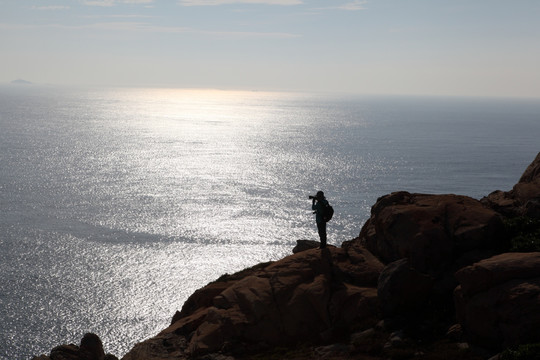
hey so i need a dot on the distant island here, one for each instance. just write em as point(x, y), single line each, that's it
point(21, 82)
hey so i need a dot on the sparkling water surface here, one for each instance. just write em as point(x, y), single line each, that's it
point(117, 204)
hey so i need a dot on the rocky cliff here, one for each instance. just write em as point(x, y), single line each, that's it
point(427, 272)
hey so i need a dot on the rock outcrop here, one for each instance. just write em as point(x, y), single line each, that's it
point(523, 199)
point(415, 255)
point(303, 245)
point(402, 289)
point(91, 348)
point(432, 231)
point(310, 296)
point(498, 300)
point(437, 234)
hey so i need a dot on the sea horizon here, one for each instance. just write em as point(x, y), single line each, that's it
point(249, 89)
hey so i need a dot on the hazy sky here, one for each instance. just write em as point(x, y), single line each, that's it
point(441, 47)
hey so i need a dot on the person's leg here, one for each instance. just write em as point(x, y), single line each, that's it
point(321, 227)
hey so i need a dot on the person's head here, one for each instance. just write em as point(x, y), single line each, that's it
point(320, 195)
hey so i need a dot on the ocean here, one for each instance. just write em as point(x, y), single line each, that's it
point(117, 204)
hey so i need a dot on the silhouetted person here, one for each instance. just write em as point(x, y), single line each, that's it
point(318, 205)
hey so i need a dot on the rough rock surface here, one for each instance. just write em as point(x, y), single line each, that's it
point(438, 235)
point(498, 301)
point(432, 231)
point(523, 199)
point(91, 348)
point(310, 295)
point(303, 245)
point(408, 252)
point(402, 289)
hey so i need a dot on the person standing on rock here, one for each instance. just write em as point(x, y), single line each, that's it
point(319, 206)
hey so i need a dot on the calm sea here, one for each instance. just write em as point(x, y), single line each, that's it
point(115, 205)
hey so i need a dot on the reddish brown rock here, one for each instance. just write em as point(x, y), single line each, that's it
point(91, 348)
point(498, 301)
point(162, 347)
point(432, 231)
point(303, 245)
point(402, 289)
point(497, 270)
point(527, 190)
point(532, 173)
point(523, 199)
point(309, 295)
point(65, 352)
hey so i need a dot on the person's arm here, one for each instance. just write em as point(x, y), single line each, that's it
point(314, 205)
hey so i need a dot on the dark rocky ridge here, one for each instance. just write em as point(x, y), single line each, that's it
point(427, 276)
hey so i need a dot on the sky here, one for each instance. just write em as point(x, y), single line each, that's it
point(409, 47)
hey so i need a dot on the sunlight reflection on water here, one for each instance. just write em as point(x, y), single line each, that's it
point(119, 291)
point(118, 204)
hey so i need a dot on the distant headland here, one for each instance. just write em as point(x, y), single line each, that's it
point(21, 82)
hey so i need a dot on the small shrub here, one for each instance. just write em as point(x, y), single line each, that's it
point(524, 234)
point(522, 352)
point(300, 352)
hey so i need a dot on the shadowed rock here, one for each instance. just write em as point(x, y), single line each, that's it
point(91, 348)
point(310, 295)
point(431, 231)
point(523, 199)
point(498, 301)
point(402, 289)
point(303, 245)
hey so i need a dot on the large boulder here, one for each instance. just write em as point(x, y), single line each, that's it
point(402, 289)
point(498, 300)
point(523, 199)
point(303, 245)
point(431, 231)
point(314, 294)
point(91, 348)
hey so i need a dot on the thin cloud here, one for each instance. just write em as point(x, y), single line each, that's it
point(228, 2)
point(106, 26)
point(50, 7)
point(143, 27)
point(146, 28)
point(119, 16)
point(99, 3)
point(137, 1)
point(354, 6)
point(104, 3)
point(108, 3)
point(246, 34)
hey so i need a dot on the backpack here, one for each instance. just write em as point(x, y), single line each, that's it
point(328, 212)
